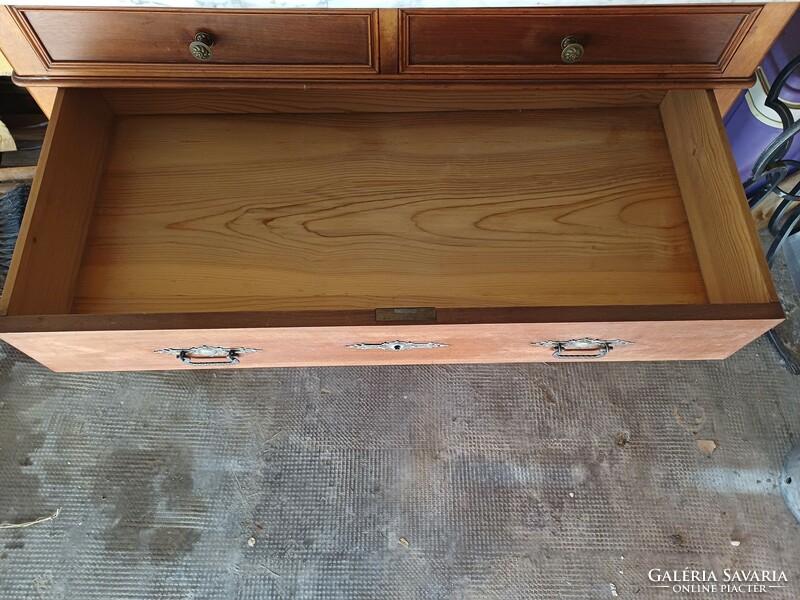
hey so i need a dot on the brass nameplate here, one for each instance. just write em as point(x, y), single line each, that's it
point(406, 314)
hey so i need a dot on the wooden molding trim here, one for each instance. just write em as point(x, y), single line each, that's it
point(162, 101)
point(397, 82)
point(771, 312)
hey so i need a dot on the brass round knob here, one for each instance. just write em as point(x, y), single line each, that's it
point(571, 50)
point(201, 46)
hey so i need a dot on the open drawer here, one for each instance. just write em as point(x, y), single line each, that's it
point(280, 228)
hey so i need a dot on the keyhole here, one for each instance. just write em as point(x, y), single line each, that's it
point(788, 480)
point(397, 346)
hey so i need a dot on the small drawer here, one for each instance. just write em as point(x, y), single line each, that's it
point(163, 41)
point(647, 41)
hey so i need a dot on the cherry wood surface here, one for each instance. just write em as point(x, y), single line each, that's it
point(496, 40)
point(333, 38)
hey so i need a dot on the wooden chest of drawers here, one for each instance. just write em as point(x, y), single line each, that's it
point(389, 223)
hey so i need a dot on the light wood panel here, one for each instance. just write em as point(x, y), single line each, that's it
point(288, 212)
point(728, 248)
point(147, 102)
point(41, 279)
point(17, 173)
point(45, 97)
point(327, 346)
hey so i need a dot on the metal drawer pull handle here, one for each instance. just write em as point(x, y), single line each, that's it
point(397, 346)
point(563, 349)
point(201, 46)
point(203, 353)
point(571, 50)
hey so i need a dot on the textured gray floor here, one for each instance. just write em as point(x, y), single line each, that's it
point(519, 481)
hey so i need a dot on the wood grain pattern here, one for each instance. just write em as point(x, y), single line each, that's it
point(147, 101)
point(327, 346)
point(728, 248)
point(269, 212)
point(629, 40)
point(42, 276)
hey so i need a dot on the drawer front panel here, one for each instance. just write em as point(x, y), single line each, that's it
point(648, 40)
point(312, 39)
point(387, 345)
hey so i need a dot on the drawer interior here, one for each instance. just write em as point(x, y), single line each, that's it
point(149, 202)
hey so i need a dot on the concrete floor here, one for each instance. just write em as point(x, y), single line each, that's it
point(511, 481)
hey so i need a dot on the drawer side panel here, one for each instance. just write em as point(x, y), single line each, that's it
point(47, 258)
point(725, 239)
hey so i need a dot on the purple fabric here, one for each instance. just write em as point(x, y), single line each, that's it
point(748, 135)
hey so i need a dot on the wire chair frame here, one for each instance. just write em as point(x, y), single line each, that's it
point(769, 172)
